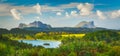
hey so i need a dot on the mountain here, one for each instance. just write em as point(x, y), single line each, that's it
point(85, 24)
point(82, 27)
point(36, 24)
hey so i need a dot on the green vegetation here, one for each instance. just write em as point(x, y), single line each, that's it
point(107, 36)
point(100, 43)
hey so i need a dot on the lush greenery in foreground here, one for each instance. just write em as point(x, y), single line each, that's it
point(100, 43)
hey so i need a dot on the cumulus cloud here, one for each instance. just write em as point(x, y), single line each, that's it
point(115, 14)
point(59, 13)
point(38, 8)
point(100, 14)
point(67, 15)
point(5, 9)
point(85, 9)
point(15, 14)
point(108, 14)
point(74, 13)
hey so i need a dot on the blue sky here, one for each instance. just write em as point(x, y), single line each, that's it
point(60, 13)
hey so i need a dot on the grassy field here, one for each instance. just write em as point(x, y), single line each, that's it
point(76, 35)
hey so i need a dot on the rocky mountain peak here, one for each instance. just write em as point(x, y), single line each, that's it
point(85, 24)
point(37, 24)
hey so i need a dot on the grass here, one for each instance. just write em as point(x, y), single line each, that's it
point(71, 35)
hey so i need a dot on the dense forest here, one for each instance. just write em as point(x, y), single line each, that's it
point(98, 43)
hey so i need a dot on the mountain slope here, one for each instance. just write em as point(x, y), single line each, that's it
point(85, 24)
point(36, 24)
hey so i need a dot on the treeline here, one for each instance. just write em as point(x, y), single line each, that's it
point(16, 31)
point(39, 35)
point(65, 29)
point(107, 36)
point(33, 30)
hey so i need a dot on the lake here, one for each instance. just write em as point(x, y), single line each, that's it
point(44, 43)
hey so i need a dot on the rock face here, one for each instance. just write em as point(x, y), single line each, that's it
point(36, 24)
point(85, 24)
point(22, 25)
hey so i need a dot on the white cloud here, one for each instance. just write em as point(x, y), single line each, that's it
point(85, 9)
point(37, 17)
point(115, 14)
point(71, 5)
point(38, 8)
point(25, 10)
point(67, 15)
point(15, 14)
point(59, 13)
point(100, 14)
point(74, 13)
point(5, 9)
point(59, 8)
point(47, 8)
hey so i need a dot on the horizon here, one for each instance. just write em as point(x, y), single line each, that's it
point(59, 27)
point(105, 14)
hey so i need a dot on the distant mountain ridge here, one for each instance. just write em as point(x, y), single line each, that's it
point(36, 24)
point(85, 24)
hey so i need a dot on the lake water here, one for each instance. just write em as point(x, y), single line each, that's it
point(52, 44)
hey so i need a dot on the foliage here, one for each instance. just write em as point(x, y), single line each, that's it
point(115, 51)
point(107, 36)
point(100, 43)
